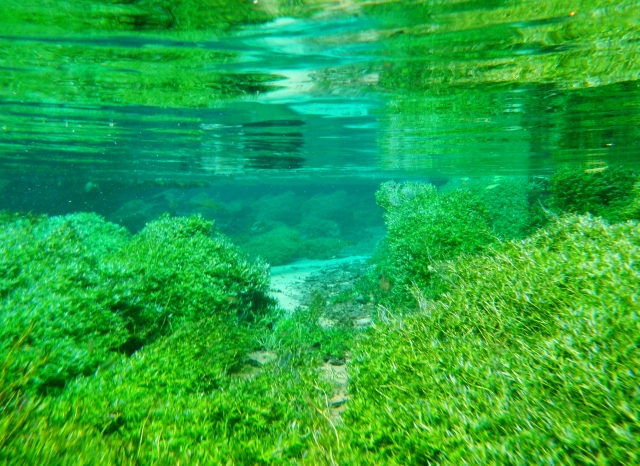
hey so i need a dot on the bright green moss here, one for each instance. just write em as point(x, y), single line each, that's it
point(190, 397)
point(301, 333)
point(190, 393)
point(283, 245)
point(513, 203)
point(632, 210)
point(278, 246)
point(174, 270)
point(531, 357)
point(48, 274)
point(606, 192)
point(425, 226)
point(88, 291)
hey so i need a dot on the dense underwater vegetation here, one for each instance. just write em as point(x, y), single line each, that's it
point(497, 342)
point(157, 158)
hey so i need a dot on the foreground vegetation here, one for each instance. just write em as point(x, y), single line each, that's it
point(506, 342)
point(81, 290)
point(530, 357)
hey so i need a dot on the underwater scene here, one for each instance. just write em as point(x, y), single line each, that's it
point(319, 232)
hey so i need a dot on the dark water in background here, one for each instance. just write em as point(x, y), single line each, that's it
point(289, 114)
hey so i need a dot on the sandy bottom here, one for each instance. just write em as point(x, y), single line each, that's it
point(288, 281)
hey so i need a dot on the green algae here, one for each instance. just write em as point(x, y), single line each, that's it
point(283, 245)
point(529, 355)
point(84, 290)
point(132, 350)
point(515, 204)
point(606, 192)
point(426, 226)
point(189, 396)
point(532, 356)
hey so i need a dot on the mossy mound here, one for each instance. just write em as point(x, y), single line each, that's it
point(283, 245)
point(192, 396)
point(531, 357)
point(426, 226)
point(83, 290)
point(606, 192)
point(514, 203)
point(195, 399)
point(277, 246)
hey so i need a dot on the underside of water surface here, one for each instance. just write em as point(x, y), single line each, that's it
point(319, 232)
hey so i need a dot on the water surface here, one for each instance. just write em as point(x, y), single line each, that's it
point(100, 101)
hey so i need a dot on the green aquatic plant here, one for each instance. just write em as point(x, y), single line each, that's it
point(284, 244)
point(302, 333)
point(514, 203)
point(530, 357)
point(16, 408)
point(278, 208)
point(48, 271)
point(425, 227)
point(632, 210)
point(195, 395)
point(179, 269)
point(89, 291)
point(278, 246)
point(322, 248)
point(28, 437)
point(607, 192)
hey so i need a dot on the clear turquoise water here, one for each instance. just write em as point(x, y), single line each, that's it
point(104, 107)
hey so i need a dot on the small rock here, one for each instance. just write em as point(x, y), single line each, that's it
point(338, 400)
point(326, 323)
point(363, 322)
point(260, 358)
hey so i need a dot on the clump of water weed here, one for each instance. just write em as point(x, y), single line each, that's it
point(530, 357)
point(606, 192)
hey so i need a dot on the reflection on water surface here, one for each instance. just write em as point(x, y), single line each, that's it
point(327, 89)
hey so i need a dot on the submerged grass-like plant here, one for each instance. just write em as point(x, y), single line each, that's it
point(192, 397)
point(426, 226)
point(27, 433)
point(90, 292)
point(190, 392)
point(531, 357)
point(514, 203)
point(606, 192)
point(16, 408)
